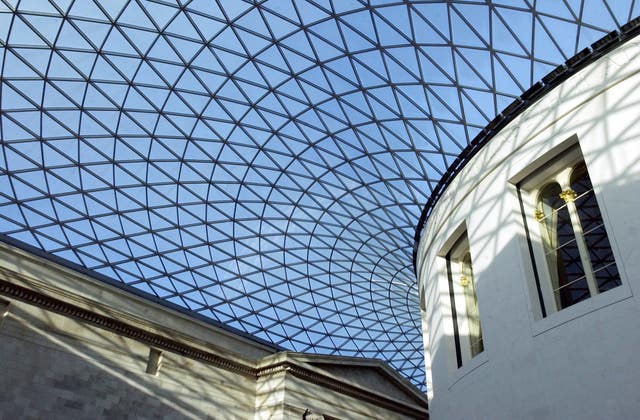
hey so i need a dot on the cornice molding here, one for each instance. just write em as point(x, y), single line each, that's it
point(118, 327)
point(329, 382)
point(124, 329)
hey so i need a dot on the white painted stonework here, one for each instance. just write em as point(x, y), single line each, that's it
point(577, 363)
point(75, 347)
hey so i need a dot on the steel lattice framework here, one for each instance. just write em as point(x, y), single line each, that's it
point(261, 163)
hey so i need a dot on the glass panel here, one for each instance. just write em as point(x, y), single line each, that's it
point(280, 147)
point(607, 277)
point(595, 235)
point(566, 270)
point(572, 293)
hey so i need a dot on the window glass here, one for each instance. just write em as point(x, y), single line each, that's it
point(570, 247)
point(567, 274)
point(593, 230)
point(464, 303)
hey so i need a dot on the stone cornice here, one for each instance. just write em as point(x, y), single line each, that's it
point(118, 327)
point(48, 277)
point(63, 301)
point(326, 381)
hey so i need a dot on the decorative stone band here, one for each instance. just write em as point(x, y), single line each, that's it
point(326, 381)
point(58, 306)
point(4, 310)
point(158, 341)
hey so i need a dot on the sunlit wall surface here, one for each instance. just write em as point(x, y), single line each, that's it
point(262, 163)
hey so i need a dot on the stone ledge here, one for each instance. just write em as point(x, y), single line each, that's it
point(155, 340)
point(308, 374)
point(54, 289)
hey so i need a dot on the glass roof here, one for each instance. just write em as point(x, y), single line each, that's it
point(261, 163)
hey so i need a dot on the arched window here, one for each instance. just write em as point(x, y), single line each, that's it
point(578, 260)
point(464, 303)
point(566, 271)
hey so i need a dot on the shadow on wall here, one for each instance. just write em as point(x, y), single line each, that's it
point(531, 375)
point(46, 374)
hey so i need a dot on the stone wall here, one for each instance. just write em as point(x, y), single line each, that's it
point(74, 347)
point(56, 367)
point(578, 362)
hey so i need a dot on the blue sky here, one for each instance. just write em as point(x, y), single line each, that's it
point(261, 163)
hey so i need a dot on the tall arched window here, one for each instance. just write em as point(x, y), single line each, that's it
point(471, 303)
point(566, 271)
point(578, 260)
point(464, 303)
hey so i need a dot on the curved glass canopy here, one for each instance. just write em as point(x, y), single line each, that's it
point(261, 163)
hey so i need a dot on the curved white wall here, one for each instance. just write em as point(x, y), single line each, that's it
point(580, 362)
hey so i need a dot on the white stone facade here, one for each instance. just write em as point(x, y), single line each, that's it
point(579, 362)
point(74, 347)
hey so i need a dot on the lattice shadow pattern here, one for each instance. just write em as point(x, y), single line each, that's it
point(262, 163)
